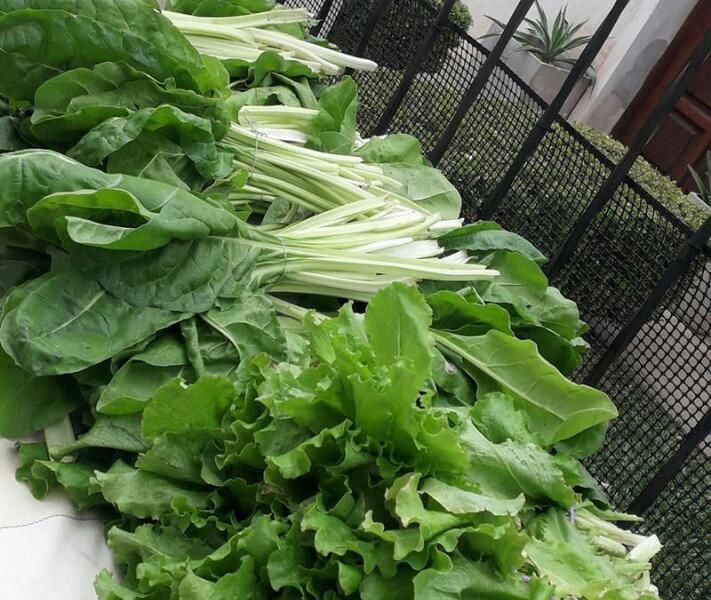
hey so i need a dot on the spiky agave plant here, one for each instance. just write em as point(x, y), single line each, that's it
point(551, 42)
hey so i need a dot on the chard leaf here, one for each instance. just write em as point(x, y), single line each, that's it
point(138, 379)
point(264, 96)
point(82, 34)
point(153, 156)
point(11, 134)
point(18, 265)
point(450, 378)
point(185, 276)
point(82, 326)
point(29, 403)
point(116, 206)
point(395, 148)
point(194, 134)
point(486, 236)
point(522, 288)
point(30, 175)
point(111, 219)
point(271, 67)
point(249, 323)
point(557, 409)
point(334, 128)
point(556, 349)
point(454, 313)
point(426, 186)
point(74, 102)
point(277, 76)
point(466, 314)
point(585, 443)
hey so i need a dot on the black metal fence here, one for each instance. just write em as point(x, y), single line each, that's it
point(641, 277)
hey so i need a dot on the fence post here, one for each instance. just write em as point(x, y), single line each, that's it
point(671, 467)
point(480, 81)
point(321, 17)
point(677, 268)
point(433, 33)
point(604, 194)
point(548, 117)
point(375, 15)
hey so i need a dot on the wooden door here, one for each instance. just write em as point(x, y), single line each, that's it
point(684, 135)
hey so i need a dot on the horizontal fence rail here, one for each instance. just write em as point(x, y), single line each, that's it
point(640, 275)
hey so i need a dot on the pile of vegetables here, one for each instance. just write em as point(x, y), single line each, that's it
point(267, 352)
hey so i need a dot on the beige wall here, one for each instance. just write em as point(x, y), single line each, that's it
point(642, 39)
point(637, 41)
point(501, 9)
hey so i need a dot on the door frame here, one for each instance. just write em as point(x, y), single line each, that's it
point(664, 72)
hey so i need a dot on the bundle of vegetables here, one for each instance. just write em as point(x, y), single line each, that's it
point(241, 39)
point(170, 221)
point(333, 466)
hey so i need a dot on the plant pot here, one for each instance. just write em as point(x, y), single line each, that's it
point(695, 199)
point(396, 37)
point(546, 80)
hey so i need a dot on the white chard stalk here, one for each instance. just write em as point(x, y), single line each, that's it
point(246, 37)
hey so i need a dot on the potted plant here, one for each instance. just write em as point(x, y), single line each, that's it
point(702, 196)
point(400, 32)
point(541, 54)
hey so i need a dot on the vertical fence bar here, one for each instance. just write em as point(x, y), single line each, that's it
point(375, 15)
point(492, 202)
point(480, 81)
point(671, 467)
point(604, 194)
point(678, 267)
point(433, 33)
point(321, 17)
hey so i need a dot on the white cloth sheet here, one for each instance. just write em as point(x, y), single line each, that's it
point(48, 551)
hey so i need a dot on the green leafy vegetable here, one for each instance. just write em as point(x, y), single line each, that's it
point(157, 324)
point(87, 33)
point(30, 403)
point(557, 409)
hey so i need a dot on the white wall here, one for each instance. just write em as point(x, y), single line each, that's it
point(592, 10)
point(640, 37)
point(643, 35)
